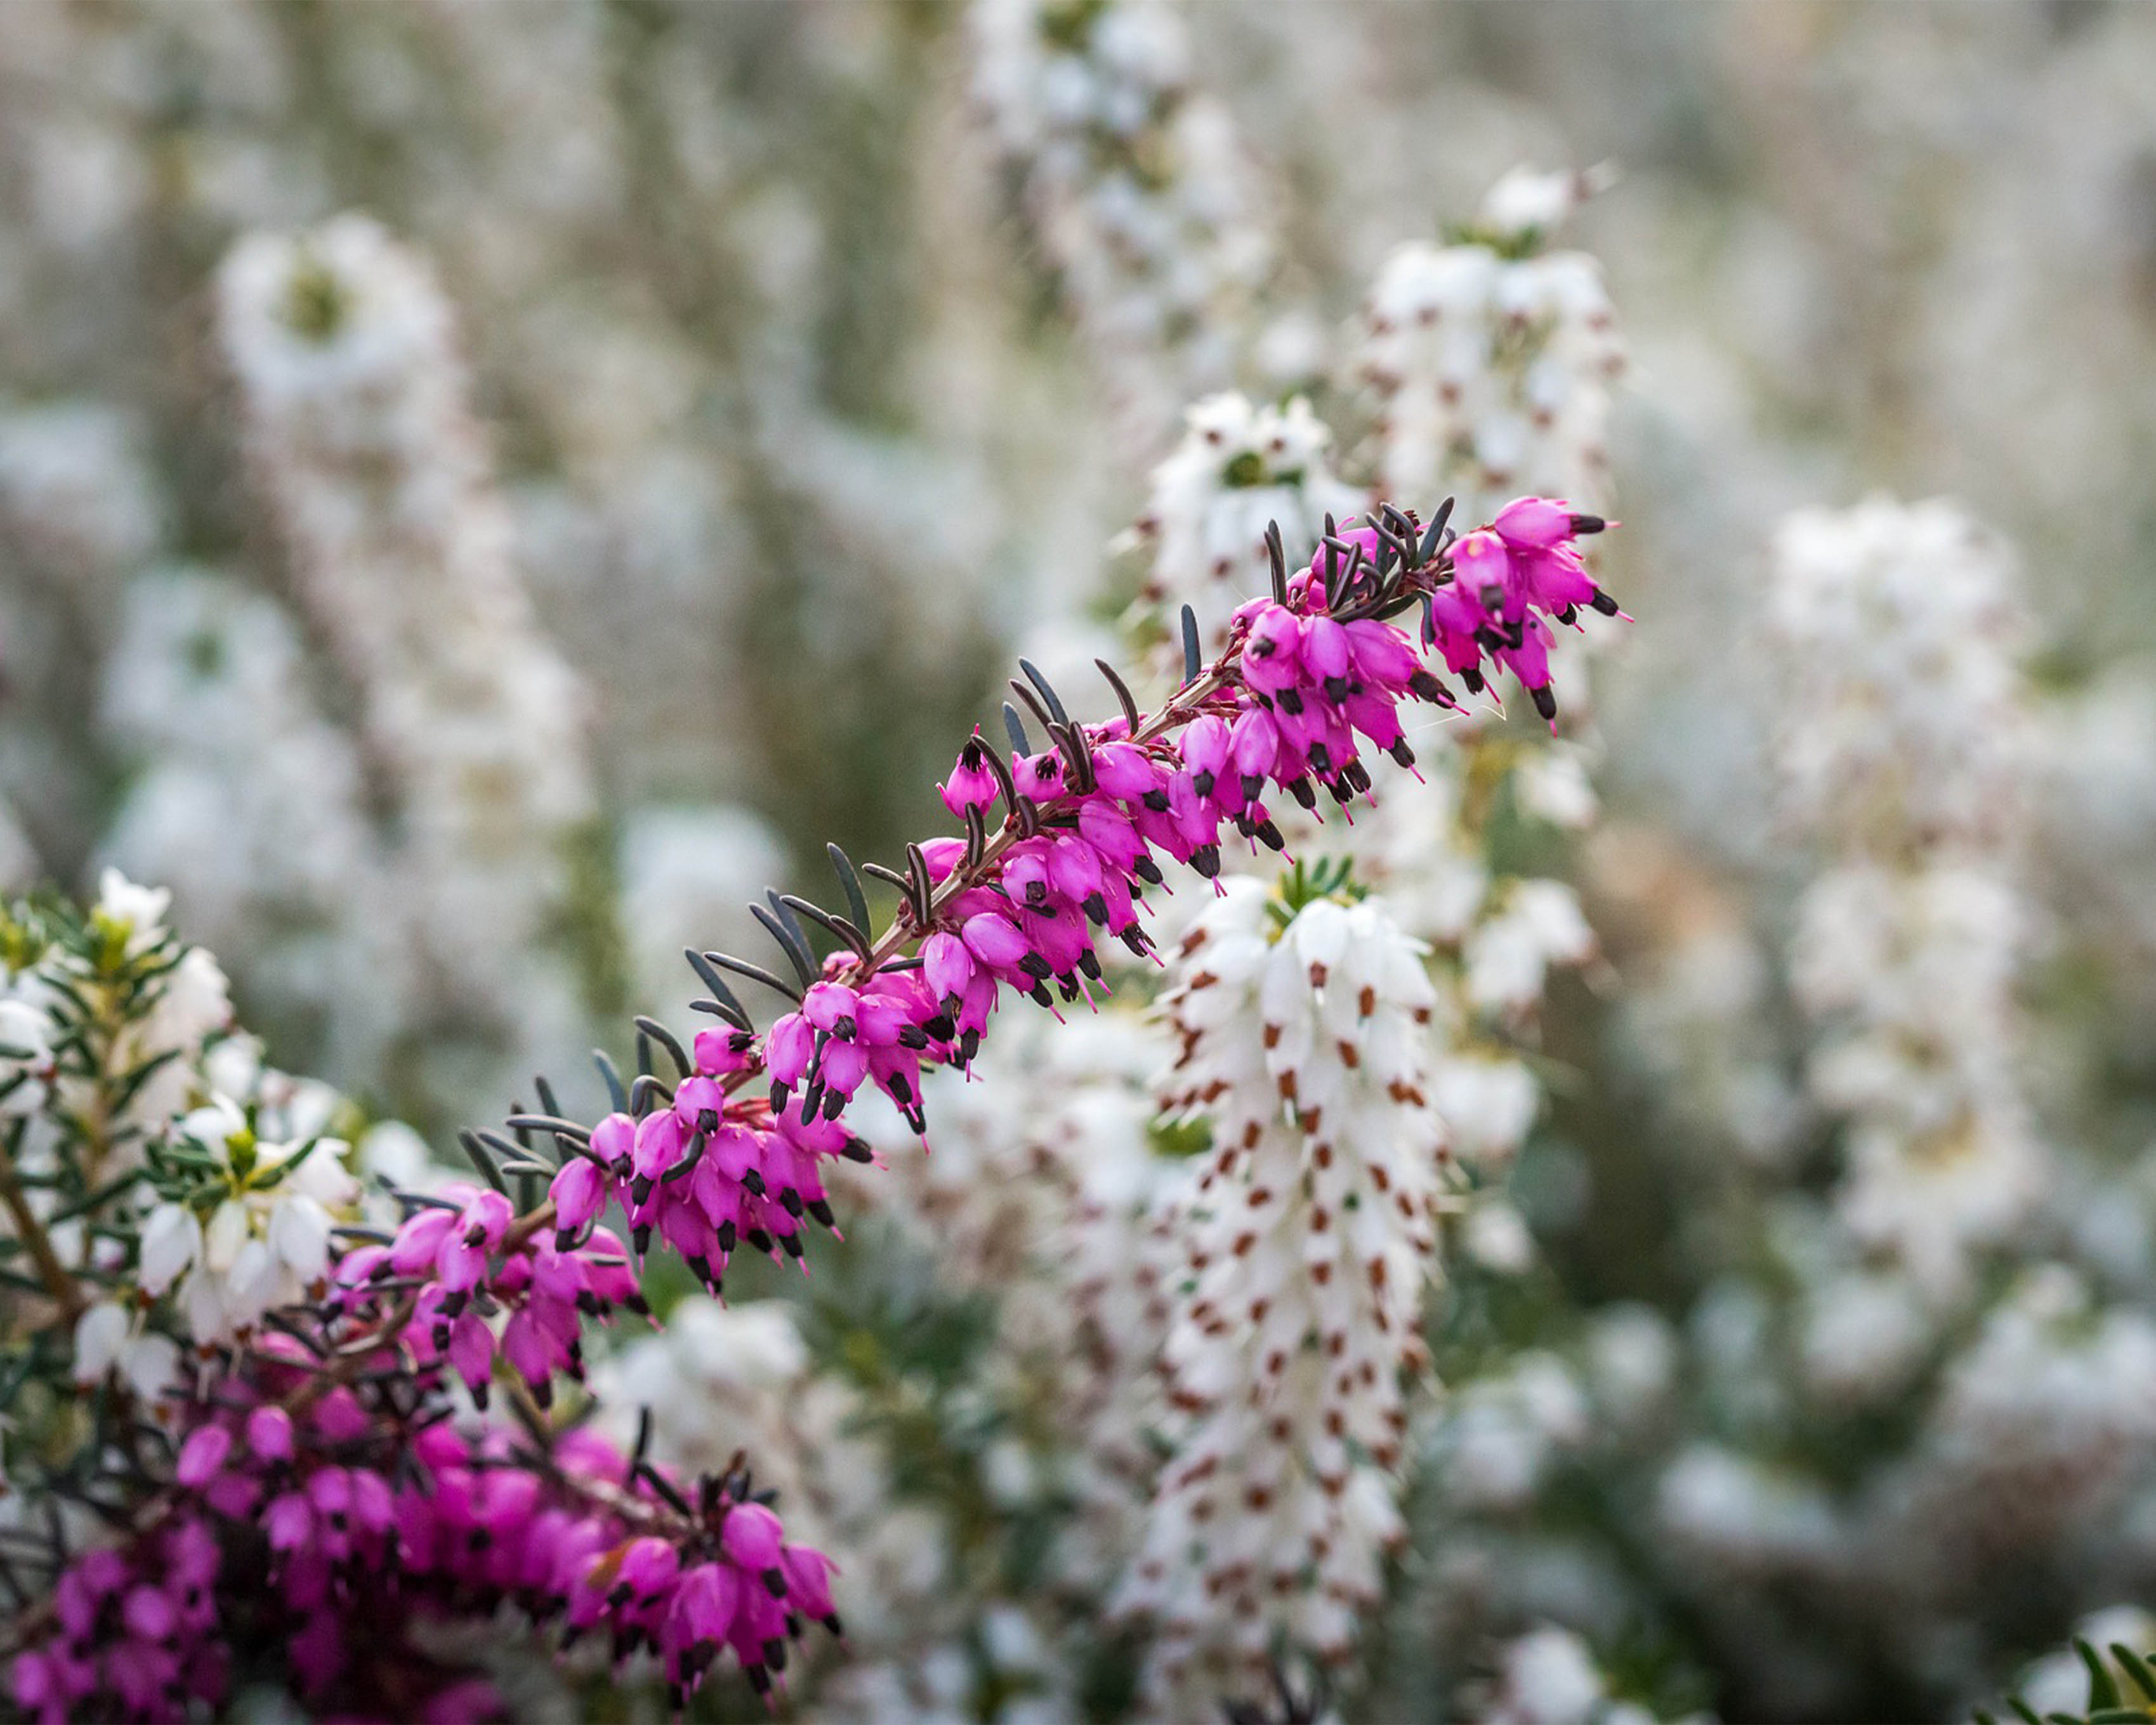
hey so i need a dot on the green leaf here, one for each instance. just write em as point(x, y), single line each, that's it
point(2103, 1687)
point(2135, 1667)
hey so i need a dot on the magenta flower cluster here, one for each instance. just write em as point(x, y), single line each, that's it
point(1509, 577)
point(1311, 678)
point(353, 1519)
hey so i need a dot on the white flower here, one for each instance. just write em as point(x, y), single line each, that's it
point(107, 1339)
point(25, 1051)
point(230, 1227)
point(139, 910)
point(1238, 467)
point(99, 1333)
point(1548, 1678)
point(171, 1244)
point(1538, 925)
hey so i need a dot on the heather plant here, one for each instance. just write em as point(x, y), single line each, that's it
point(1637, 1207)
point(276, 1406)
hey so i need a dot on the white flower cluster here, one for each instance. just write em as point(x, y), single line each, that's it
point(263, 1239)
point(362, 440)
point(1136, 186)
point(249, 804)
point(1426, 847)
point(190, 1007)
point(1239, 466)
point(2038, 1428)
point(1310, 1233)
point(1903, 755)
point(1044, 1189)
point(1491, 361)
point(1549, 1676)
point(1901, 627)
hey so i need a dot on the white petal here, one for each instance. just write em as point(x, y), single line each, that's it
point(252, 1284)
point(151, 1366)
point(227, 1232)
point(203, 1300)
point(172, 1241)
point(299, 1235)
point(100, 1334)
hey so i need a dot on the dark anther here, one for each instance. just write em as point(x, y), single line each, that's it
point(1545, 701)
point(1604, 603)
point(1587, 524)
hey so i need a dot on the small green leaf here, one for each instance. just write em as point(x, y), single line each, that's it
point(2103, 1687)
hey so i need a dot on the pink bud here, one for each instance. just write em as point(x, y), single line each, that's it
point(1482, 567)
point(752, 1537)
point(579, 1192)
point(788, 1050)
point(419, 1240)
point(612, 1140)
point(203, 1454)
point(704, 1607)
point(149, 1613)
point(660, 1138)
point(1535, 522)
point(719, 1050)
point(994, 940)
point(828, 1005)
point(269, 1434)
point(808, 1580)
point(1254, 743)
point(649, 1567)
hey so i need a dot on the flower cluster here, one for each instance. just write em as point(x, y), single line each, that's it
point(1138, 188)
point(1491, 359)
point(365, 1519)
point(1240, 468)
point(1307, 679)
point(1903, 755)
point(361, 440)
point(1311, 1236)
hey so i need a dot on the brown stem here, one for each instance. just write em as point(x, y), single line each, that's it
point(62, 1286)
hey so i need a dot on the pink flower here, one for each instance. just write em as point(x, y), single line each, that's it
point(202, 1456)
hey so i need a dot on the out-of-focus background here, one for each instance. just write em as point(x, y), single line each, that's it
point(486, 486)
